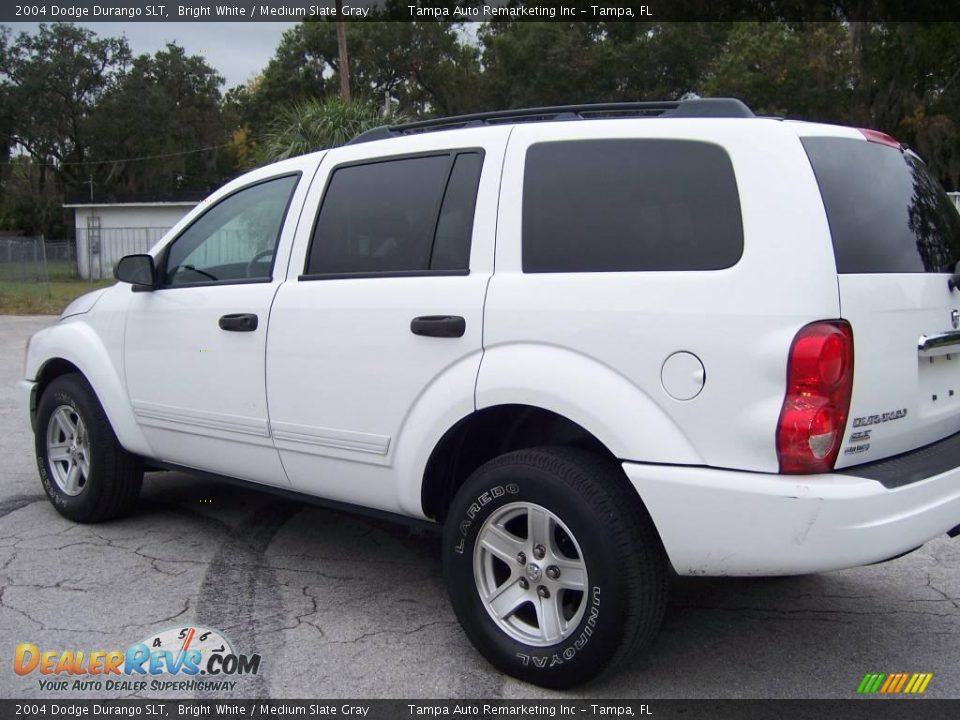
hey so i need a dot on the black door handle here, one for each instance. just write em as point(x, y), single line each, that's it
point(239, 322)
point(448, 326)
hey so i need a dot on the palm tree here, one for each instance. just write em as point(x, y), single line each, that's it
point(316, 124)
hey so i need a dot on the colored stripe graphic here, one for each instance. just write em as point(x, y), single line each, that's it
point(894, 683)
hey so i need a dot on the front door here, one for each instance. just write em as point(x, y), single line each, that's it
point(194, 347)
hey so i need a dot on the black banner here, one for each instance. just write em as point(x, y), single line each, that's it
point(915, 709)
point(475, 11)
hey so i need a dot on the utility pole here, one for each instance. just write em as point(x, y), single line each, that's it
point(344, 62)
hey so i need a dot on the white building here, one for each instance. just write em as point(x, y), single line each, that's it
point(108, 231)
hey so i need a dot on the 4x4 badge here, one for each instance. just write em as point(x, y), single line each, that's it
point(955, 319)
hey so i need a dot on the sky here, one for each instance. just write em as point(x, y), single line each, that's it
point(238, 51)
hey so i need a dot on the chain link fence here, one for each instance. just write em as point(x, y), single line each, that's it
point(39, 277)
point(99, 249)
point(32, 260)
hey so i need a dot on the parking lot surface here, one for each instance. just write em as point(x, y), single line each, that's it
point(340, 606)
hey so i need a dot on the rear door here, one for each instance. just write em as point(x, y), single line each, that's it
point(896, 239)
point(382, 313)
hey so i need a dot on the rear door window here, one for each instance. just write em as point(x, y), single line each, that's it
point(887, 213)
point(629, 205)
point(408, 215)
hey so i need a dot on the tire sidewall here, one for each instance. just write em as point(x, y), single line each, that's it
point(70, 392)
point(599, 632)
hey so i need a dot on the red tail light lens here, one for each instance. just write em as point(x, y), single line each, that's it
point(875, 136)
point(819, 383)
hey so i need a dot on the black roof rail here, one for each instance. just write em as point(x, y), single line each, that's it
point(696, 108)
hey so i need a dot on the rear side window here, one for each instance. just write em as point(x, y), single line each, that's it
point(629, 205)
point(887, 213)
point(451, 244)
point(408, 215)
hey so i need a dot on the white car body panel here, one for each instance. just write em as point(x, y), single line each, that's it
point(199, 392)
point(93, 342)
point(333, 400)
point(83, 304)
point(625, 325)
point(722, 522)
point(888, 313)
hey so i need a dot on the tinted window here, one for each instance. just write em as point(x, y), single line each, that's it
point(380, 217)
point(233, 240)
point(887, 214)
point(627, 205)
point(451, 245)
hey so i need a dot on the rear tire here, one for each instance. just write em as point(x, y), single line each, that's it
point(516, 592)
point(85, 472)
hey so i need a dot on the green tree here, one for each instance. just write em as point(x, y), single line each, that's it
point(908, 84)
point(7, 130)
point(556, 63)
point(797, 70)
point(316, 124)
point(420, 67)
point(167, 108)
point(56, 78)
point(531, 63)
point(660, 61)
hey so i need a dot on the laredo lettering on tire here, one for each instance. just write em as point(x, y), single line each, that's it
point(87, 475)
point(553, 565)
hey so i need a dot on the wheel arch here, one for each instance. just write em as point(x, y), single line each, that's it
point(488, 433)
point(77, 348)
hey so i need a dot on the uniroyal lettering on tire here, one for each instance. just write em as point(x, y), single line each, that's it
point(534, 540)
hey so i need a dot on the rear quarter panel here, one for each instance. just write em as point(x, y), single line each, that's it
point(591, 346)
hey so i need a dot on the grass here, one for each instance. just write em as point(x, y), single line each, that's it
point(56, 271)
point(43, 298)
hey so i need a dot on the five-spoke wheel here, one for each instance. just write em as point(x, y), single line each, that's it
point(86, 473)
point(530, 573)
point(553, 565)
point(68, 450)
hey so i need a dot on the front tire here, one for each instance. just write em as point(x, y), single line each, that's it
point(86, 474)
point(553, 565)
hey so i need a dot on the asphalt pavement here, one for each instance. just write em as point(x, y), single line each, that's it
point(341, 606)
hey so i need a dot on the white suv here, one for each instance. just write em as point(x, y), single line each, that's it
point(593, 343)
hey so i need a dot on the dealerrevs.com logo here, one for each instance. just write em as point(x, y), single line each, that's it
point(185, 659)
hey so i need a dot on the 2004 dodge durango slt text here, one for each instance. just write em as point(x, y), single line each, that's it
point(664, 335)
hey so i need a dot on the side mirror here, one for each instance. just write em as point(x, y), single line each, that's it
point(138, 270)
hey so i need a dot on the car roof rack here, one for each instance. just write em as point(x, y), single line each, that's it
point(696, 108)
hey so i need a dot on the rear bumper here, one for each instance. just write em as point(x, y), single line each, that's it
point(722, 522)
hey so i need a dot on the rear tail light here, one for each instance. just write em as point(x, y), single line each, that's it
point(819, 383)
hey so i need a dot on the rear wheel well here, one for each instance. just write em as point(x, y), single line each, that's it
point(487, 434)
